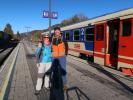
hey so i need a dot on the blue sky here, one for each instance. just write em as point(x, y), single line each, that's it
point(22, 13)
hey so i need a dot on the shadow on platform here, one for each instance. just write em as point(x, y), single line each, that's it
point(56, 90)
point(56, 87)
point(30, 55)
point(79, 93)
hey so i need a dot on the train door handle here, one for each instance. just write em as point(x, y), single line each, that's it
point(123, 46)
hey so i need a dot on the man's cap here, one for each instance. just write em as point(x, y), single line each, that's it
point(57, 28)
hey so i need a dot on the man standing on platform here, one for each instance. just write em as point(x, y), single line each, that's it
point(60, 51)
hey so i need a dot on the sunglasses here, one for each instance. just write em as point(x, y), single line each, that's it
point(46, 37)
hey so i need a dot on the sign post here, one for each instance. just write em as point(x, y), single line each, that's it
point(51, 15)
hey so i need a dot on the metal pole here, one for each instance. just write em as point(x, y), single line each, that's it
point(50, 17)
point(27, 27)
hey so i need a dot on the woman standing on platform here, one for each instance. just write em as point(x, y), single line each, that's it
point(44, 61)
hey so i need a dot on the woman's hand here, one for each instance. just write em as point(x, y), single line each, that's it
point(38, 65)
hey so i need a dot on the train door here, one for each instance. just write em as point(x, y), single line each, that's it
point(113, 45)
point(89, 42)
point(126, 44)
point(99, 43)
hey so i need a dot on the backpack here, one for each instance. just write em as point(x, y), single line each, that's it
point(39, 55)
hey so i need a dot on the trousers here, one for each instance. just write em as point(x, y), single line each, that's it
point(42, 69)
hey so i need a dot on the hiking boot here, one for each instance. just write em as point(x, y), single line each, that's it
point(65, 87)
point(37, 92)
point(47, 88)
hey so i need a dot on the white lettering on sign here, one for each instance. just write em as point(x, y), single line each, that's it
point(82, 31)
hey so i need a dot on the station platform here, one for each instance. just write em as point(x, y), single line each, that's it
point(86, 81)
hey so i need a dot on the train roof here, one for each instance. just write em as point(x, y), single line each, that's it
point(122, 14)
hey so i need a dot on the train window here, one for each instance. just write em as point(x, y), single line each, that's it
point(126, 28)
point(76, 35)
point(63, 34)
point(89, 34)
point(100, 32)
point(67, 36)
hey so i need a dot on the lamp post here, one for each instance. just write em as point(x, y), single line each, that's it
point(27, 27)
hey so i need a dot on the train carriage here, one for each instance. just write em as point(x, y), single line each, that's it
point(105, 40)
point(112, 40)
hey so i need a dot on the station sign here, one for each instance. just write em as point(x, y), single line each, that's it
point(45, 14)
point(53, 15)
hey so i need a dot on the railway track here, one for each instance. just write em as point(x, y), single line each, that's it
point(99, 67)
point(5, 52)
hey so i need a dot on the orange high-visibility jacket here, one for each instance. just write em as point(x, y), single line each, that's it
point(59, 49)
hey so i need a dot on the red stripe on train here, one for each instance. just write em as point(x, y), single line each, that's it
point(81, 51)
point(100, 55)
point(125, 60)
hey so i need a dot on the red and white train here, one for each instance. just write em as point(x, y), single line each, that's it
point(105, 40)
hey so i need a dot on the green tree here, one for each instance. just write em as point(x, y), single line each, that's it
point(18, 35)
point(34, 35)
point(8, 30)
point(74, 19)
